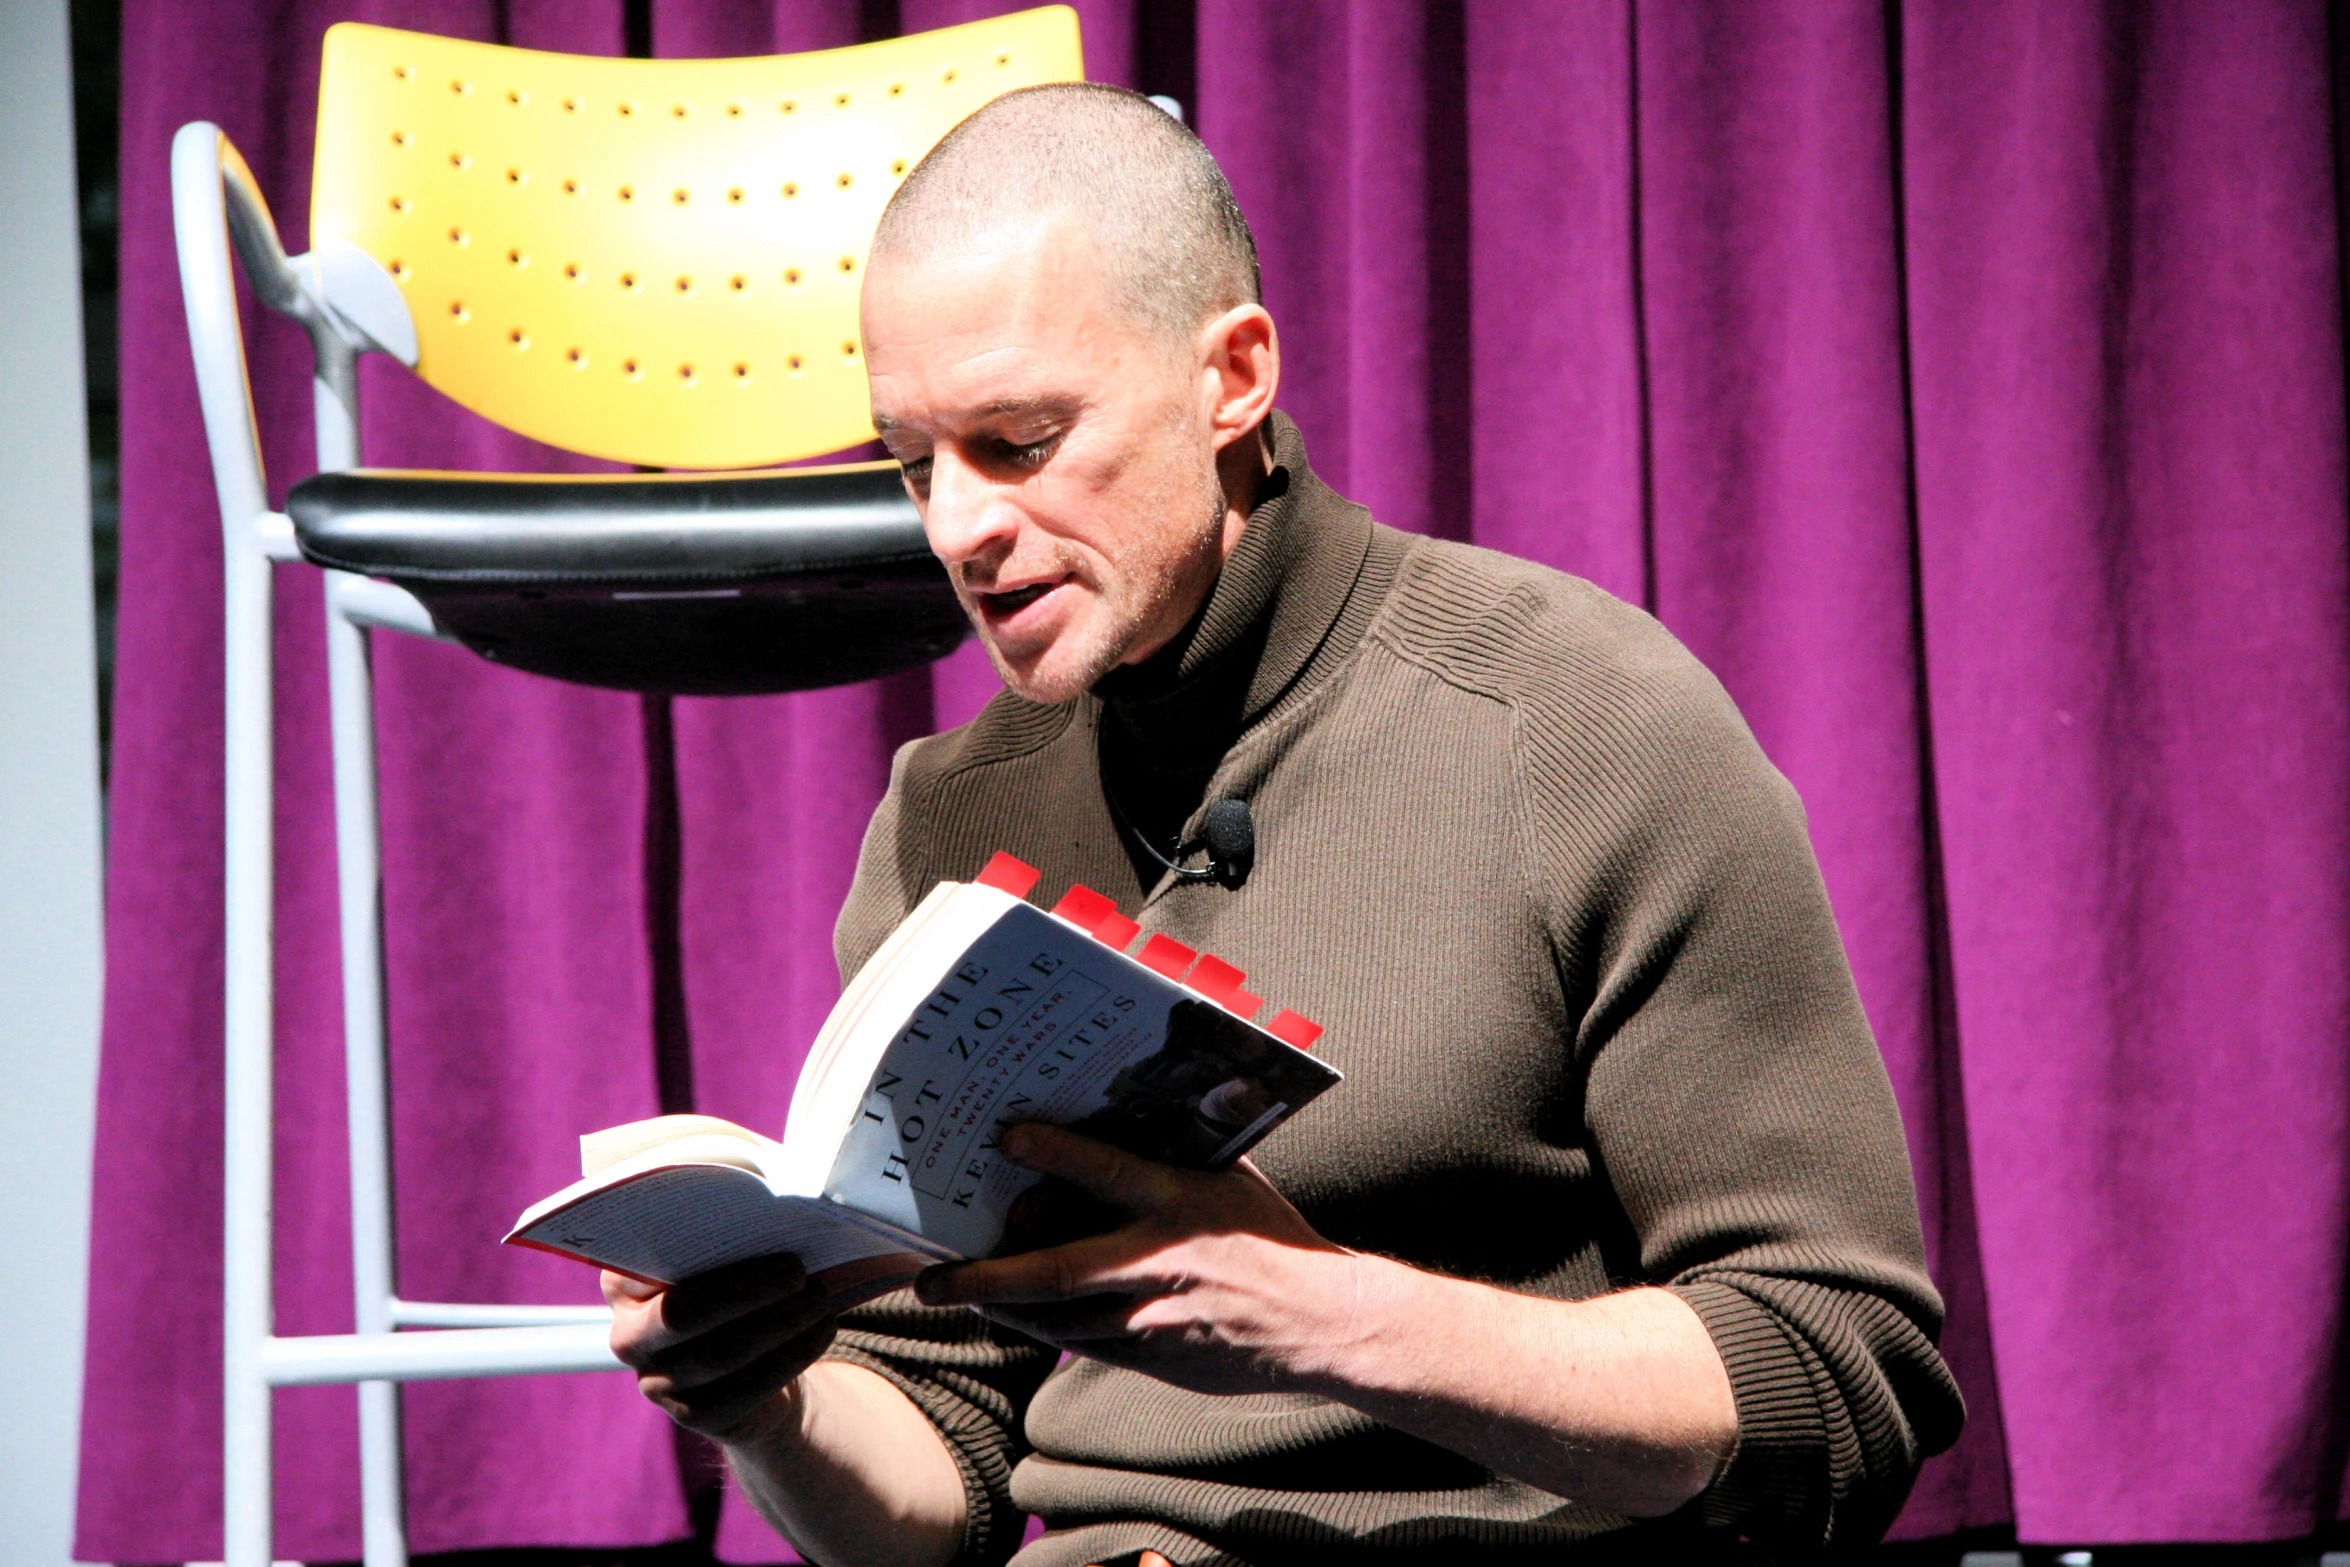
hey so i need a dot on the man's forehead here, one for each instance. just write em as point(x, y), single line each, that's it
point(1047, 266)
point(1001, 371)
point(1023, 323)
point(1011, 251)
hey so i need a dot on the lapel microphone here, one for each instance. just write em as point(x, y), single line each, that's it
point(1228, 835)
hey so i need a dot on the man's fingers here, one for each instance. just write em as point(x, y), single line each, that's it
point(1076, 1322)
point(700, 1304)
point(619, 1288)
point(1096, 1265)
point(648, 1319)
point(1111, 1174)
point(727, 1348)
point(719, 1409)
point(1054, 1213)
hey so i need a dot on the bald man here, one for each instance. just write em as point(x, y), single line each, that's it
point(1608, 1246)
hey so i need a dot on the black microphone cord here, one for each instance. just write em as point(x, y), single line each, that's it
point(1228, 834)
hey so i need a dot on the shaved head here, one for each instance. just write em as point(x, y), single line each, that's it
point(1068, 358)
point(1141, 187)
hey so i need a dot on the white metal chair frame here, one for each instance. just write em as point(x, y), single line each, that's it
point(349, 305)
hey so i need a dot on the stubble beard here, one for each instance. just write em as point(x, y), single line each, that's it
point(1147, 589)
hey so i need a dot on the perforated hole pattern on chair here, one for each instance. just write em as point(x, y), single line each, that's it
point(653, 261)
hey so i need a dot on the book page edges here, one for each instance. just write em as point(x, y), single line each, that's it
point(848, 1285)
point(517, 1238)
point(539, 1213)
point(703, 1152)
point(616, 1145)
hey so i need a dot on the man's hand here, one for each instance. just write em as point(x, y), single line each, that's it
point(1213, 1281)
point(833, 1456)
point(714, 1351)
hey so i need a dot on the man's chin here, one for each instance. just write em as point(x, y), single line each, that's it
point(1055, 674)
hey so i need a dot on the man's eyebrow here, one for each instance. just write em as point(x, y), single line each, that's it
point(1039, 402)
point(1033, 403)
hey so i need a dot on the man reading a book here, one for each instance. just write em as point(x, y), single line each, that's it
point(1607, 1248)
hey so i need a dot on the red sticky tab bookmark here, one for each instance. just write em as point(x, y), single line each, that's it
point(1163, 954)
point(1084, 908)
point(1215, 979)
point(1117, 931)
point(1006, 874)
point(1241, 1004)
point(1292, 1029)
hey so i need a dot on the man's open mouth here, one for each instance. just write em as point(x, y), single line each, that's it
point(1018, 599)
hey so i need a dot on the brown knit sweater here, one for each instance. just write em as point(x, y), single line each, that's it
point(1520, 855)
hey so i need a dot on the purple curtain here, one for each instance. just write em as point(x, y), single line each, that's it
point(1964, 382)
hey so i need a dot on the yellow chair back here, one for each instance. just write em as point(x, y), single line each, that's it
point(654, 261)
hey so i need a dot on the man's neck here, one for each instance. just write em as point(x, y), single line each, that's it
point(1241, 469)
point(1170, 717)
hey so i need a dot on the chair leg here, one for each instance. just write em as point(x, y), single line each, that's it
point(383, 1517)
point(247, 1118)
point(359, 876)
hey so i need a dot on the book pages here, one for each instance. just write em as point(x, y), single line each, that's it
point(674, 1223)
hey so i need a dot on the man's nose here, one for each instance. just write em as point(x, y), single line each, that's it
point(966, 517)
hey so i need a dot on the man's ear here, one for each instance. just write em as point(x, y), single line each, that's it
point(1240, 363)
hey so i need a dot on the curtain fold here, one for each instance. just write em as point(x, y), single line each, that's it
point(1781, 536)
point(2125, 286)
point(1963, 383)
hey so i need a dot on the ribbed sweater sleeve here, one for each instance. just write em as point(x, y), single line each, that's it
point(1733, 1090)
point(974, 1380)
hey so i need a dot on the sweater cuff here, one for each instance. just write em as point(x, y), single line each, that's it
point(985, 1469)
point(1769, 1488)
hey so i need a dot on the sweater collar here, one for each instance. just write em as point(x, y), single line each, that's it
point(1254, 642)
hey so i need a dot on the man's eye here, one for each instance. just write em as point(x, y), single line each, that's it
point(917, 469)
point(1031, 455)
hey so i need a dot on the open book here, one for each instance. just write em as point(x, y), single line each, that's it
point(978, 1012)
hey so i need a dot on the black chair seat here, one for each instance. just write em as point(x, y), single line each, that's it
point(698, 584)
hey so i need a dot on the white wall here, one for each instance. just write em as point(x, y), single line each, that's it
point(49, 834)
